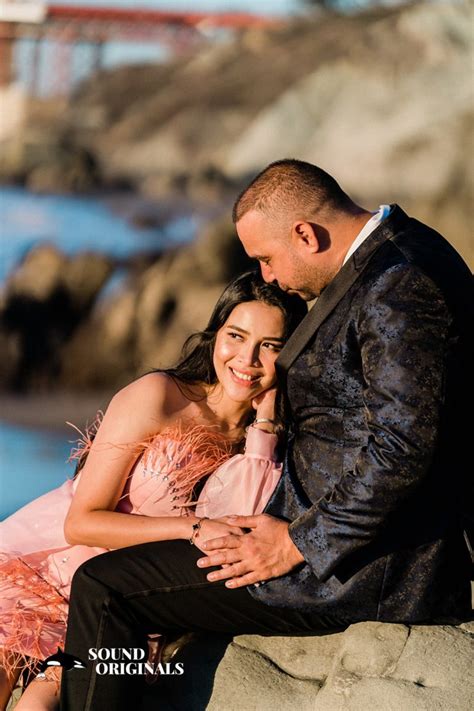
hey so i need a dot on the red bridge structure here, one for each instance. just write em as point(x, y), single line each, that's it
point(64, 27)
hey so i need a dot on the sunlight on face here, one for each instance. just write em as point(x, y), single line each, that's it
point(246, 349)
point(268, 242)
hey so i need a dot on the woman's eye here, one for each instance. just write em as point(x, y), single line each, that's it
point(276, 347)
point(235, 335)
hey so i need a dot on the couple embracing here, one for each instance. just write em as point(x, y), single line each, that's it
point(340, 501)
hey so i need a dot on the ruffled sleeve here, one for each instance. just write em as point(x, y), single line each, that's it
point(243, 485)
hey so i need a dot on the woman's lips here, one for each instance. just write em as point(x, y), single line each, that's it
point(244, 381)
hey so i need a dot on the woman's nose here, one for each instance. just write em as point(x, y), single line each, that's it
point(249, 353)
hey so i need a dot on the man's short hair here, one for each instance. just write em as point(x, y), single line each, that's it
point(293, 186)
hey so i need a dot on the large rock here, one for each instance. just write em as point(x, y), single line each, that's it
point(381, 99)
point(42, 303)
point(391, 117)
point(369, 666)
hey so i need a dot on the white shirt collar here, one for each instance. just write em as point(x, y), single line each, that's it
point(375, 220)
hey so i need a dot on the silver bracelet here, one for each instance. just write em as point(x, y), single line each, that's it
point(262, 420)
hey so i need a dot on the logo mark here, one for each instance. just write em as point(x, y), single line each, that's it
point(60, 659)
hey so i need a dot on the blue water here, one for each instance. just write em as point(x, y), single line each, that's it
point(32, 462)
point(75, 224)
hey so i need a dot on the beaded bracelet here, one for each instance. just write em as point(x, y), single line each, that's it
point(196, 529)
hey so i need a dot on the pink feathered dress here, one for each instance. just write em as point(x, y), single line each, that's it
point(37, 563)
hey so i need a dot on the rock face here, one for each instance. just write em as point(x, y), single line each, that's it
point(42, 304)
point(370, 665)
point(382, 99)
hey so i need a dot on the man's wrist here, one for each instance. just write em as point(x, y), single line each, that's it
point(298, 555)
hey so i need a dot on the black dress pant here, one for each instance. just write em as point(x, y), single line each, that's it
point(118, 598)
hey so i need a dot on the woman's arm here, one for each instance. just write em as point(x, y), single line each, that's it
point(135, 413)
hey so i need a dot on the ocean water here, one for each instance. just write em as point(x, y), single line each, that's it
point(32, 462)
point(78, 223)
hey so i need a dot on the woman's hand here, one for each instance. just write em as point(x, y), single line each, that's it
point(214, 528)
point(264, 404)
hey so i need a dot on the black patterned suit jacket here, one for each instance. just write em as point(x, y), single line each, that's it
point(379, 387)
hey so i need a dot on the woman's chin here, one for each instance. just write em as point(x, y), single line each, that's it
point(246, 397)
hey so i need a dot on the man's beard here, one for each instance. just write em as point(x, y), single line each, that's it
point(312, 281)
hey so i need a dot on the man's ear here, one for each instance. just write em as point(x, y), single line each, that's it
point(305, 237)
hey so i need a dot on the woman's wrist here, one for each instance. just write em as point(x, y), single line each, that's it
point(266, 424)
point(186, 526)
point(196, 529)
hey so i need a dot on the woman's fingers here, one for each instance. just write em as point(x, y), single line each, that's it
point(244, 521)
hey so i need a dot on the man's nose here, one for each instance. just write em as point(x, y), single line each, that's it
point(267, 273)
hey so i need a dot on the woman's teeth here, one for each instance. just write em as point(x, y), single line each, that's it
point(242, 376)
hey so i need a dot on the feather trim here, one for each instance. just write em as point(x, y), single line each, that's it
point(182, 453)
point(35, 622)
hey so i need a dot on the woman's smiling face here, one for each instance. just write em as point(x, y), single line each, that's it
point(246, 348)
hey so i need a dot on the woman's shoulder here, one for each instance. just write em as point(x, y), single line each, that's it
point(154, 394)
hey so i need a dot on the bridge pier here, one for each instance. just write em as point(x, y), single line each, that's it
point(6, 53)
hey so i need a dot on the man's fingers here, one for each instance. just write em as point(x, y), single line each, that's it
point(242, 521)
point(229, 571)
point(240, 582)
point(221, 558)
point(223, 542)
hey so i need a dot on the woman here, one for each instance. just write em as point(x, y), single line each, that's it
point(161, 436)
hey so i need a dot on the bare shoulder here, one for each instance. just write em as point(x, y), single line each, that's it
point(148, 402)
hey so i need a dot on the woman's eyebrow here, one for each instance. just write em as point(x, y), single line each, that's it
point(264, 338)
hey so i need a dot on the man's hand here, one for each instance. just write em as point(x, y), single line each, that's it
point(266, 552)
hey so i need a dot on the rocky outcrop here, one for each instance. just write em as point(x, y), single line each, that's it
point(42, 304)
point(371, 665)
point(64, 322)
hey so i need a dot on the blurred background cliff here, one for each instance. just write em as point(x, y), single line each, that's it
point(127, 129)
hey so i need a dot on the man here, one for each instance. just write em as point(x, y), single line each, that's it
point(366, 522)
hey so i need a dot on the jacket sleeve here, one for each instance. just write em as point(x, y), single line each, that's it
point(402, 335)
point(243, 485)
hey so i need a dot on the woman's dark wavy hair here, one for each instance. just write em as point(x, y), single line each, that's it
point(196, 362)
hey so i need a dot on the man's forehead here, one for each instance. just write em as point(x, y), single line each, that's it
point(252, 218)
point(254, 230)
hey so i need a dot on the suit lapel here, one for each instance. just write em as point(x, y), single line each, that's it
point(339, 286)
